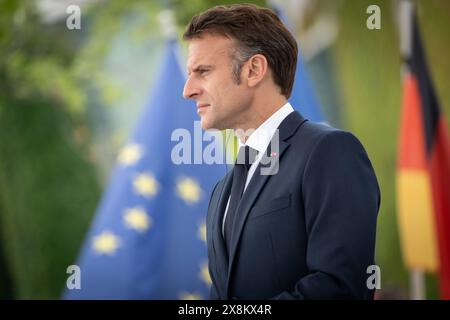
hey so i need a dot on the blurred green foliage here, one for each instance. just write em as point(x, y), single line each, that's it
point(48, 192)
point(369, 69)
point(48, 188)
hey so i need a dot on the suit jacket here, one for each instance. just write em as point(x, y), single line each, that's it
point(306, 232)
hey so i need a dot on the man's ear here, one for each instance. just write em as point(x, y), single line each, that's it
point(257, 69)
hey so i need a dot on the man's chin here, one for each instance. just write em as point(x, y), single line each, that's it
point(207, 125)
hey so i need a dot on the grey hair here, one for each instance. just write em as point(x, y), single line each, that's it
point(239, 56)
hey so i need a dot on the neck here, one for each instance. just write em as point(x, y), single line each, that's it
point(260, 110)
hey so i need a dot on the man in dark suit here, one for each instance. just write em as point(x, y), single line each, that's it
point(296, 217)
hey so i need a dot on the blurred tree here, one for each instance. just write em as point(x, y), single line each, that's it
point(48, 188)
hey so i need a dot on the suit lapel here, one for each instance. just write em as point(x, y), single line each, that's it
point(219, 249)
point(286, 129)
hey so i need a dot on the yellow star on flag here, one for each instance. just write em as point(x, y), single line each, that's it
point(106, 243)
point(190, 296)
point(189, 190)
point(204, 274)
point(202, 231)
point(136, 218)
point(130, 154)
point(146, 185)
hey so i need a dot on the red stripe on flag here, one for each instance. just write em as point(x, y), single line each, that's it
point(412, 152)
point(440, 180)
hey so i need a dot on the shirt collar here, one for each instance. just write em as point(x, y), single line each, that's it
point(260, 138)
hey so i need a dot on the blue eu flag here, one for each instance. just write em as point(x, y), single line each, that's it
point(303, 97)
point(147, 240)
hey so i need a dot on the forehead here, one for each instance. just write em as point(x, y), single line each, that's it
point(208, 49)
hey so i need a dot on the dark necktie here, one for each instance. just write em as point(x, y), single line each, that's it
point(246, 156)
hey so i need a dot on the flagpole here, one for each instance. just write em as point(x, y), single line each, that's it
point(417, 284)
point(417, 289)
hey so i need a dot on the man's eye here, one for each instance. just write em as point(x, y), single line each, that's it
point(202, 71)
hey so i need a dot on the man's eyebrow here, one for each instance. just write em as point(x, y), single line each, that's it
point(201, 66)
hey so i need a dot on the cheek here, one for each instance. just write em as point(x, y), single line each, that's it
point(235, 97)
point(221, 83)
point(224, 93)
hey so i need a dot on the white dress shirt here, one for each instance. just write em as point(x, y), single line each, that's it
point(259, 140)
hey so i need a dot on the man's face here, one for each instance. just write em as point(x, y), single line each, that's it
point(221, 103)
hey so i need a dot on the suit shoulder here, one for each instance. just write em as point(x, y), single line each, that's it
point(322, 135)
point(332, 148)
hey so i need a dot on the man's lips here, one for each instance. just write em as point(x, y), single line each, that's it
point(202, 106)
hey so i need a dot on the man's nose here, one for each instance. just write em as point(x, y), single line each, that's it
point(190, 91)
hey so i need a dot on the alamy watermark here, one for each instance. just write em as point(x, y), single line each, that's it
point(189, 148)
point(374, 20)
point(74, 280)
point(73, 21)
point(374, 280)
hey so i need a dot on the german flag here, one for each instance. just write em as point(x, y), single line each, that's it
point(423, 178)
